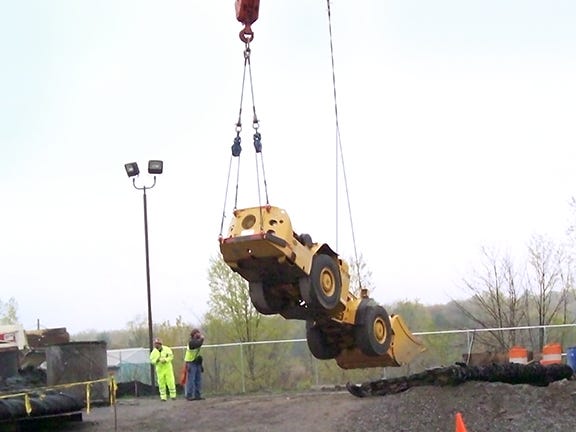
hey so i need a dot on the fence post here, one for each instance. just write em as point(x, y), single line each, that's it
point(469, 343)
point(242, 378)
point(315, 368)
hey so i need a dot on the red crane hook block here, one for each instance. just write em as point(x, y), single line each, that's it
point(247, 14)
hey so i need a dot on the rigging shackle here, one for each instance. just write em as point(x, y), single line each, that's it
point(258, 142)
point(247, 14)
point(237, 147)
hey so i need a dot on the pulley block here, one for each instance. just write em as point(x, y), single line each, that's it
point(247, 14)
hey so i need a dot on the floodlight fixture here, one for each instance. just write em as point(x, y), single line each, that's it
point(155, 166)
point(132, 169)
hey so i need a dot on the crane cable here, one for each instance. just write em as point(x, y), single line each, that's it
point(247, 13)
point(340, 155)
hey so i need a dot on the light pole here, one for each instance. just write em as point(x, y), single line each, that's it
point(154, 167)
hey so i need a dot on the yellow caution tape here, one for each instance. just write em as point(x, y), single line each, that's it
point(41, 392)
point(27, 404)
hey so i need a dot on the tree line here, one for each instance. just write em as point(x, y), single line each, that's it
point(536, 290)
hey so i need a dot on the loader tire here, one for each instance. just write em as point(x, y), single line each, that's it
point(326, 285)
point(374, 334)
point(264, 301)
point(318, 343)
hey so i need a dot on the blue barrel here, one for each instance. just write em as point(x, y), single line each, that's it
point(571, 357)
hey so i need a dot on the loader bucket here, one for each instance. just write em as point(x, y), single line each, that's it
point(353, 358)
point(405, 346)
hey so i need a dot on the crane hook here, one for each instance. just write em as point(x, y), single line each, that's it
point(247, 14)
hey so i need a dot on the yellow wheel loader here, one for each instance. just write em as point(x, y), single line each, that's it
point(290, 275)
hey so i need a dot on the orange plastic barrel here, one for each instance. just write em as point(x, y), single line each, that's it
point(551, 354)
point(518, 354)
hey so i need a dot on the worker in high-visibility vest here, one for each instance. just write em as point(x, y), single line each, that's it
point(194, 368)
point(161, 357)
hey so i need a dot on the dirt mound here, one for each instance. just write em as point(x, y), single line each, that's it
point(485, 407)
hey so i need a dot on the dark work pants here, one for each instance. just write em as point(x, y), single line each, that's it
point(193, 380)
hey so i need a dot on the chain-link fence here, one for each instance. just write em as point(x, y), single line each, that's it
point(287, 365)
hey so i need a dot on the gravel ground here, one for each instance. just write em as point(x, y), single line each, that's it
point(485, 407)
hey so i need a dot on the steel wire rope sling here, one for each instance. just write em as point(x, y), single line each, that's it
point(247, 14)
point(339, 152)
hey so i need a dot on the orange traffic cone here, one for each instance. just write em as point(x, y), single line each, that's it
point(460, 426)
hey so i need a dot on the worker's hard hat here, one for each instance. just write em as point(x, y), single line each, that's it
point(157, 341)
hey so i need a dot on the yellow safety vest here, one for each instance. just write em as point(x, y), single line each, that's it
point(191, 354)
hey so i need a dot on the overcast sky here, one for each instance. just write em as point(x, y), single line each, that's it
point(457, 122)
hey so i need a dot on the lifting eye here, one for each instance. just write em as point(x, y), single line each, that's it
point(248, 222)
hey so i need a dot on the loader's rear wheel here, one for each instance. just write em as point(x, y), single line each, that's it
point(318, 343)
point(374, 335)
point(265, 301)
point(326, 285)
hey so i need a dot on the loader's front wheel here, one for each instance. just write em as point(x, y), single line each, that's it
point(326, 285)
point(318, 343)
point(264, 300)
point(374, 334)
